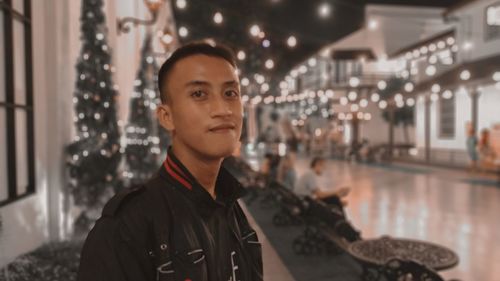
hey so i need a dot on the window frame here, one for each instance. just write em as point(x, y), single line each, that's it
point(451, 102)
point(9, 17)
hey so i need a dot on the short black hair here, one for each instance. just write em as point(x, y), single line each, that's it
point(194, 48)
point(316, 160)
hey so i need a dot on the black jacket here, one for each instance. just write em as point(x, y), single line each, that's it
point(158, 232)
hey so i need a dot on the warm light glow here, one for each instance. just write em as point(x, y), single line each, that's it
point(266, 43)
point(372, 24)
point(363, 103)
point(352, 95)
point(382, 85)
point(324, 10)
point(435, 88)
point(330, 93)
point(354, 82)
point(354, 107)
point(344, 101)
point(218, 18)
point(430, 70)
point(245, 82)
point(398, 97)
point(467, 45)
point(465, 75)
point(447, 94)
point(269, 64)
point(312, 62)
point(375, 97)
point(410, 102)
point(434, 97)
point(291, 41)
point(382, 104)
point(409, 87)
point(241, 55)
point(254, 30)
point(183, 31)
point(303, 69)
point(496, 76)
point(181, 4)
point(367, 116)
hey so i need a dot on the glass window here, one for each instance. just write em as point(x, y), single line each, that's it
point(447, 118)
point(21, 151)
point(492, 18)
point(2, 61)
point(19, 63)
point(3, 156)
point(16, 172)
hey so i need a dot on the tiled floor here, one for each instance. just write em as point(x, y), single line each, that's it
point(424, 203)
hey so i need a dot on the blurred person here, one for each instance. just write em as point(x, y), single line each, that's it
point(307, 185)
point(487, 154)
point(185, 222)
point(286, 171)
point(472, 146)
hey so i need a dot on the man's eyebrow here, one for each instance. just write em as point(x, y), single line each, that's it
point(205, 83)
point(231, 83)
point(197, 83)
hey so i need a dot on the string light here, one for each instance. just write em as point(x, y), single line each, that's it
point(266, 43)
point(382, 104)
point(241, 55)
point(218, 18)
point(409, 87)
point(375, 97)
point(181, 4)
point(410, 102)
point(291, 41)
point(183, 31)
point(435, 88)
point(354, 82)
point(465, 75)
point(245, 82)
point(447, 94)
point(352, 95)
point(269, 64)
point(254, 30)
point(382, 85)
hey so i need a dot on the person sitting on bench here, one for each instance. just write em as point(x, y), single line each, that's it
point(307, 185)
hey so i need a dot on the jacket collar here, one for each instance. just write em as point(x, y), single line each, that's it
point(227, 188)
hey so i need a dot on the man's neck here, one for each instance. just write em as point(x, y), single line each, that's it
point(204, 170)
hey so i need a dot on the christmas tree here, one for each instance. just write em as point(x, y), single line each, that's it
point(143, 153)
point(94, 156)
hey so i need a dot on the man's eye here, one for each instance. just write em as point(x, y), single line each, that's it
point(231, 94)
point(198, 94)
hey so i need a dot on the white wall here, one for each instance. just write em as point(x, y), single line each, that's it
point(470, 27)
point(45, 215)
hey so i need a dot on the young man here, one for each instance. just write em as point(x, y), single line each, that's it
point(185, 223)
point(307, 185)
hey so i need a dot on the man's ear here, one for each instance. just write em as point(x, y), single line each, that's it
point(164, 115)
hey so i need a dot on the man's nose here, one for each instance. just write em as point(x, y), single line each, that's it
point(220, 107)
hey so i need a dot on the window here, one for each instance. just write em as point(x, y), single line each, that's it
point(447, 118)
point(17, 170)
point(492, 24)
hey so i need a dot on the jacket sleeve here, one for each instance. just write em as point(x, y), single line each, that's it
point(109, 254)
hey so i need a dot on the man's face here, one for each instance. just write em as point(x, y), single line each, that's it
point(205, 112)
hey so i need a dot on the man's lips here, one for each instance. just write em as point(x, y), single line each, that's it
point(222, 128)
